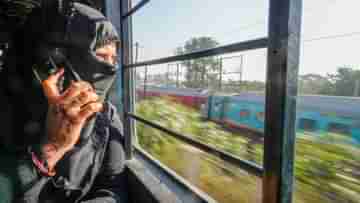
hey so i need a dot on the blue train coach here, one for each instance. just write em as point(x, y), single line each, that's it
point(317, 115)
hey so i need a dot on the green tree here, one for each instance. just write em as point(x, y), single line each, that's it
point(346, 81)
point(200, 72)
point(315, 84)
point(243, 86)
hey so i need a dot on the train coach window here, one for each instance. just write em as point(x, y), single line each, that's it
point(244, 113)
point(219, 63)
point(171, 95)
point(327, 162)
point(339, 128)
point(216, 30)
point(207, 172)
point(307, 124)
point(356, 124)
point(176, 100)
point(260, 116)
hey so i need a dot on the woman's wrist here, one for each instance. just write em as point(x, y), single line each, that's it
point(52, 154)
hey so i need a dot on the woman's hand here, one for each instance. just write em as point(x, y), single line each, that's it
point(67, 115)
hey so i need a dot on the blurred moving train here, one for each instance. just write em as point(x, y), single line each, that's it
point(316, 115)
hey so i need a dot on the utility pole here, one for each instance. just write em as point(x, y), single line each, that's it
point(221, 70)
point(136, 51)
point(136, 60)
point(357, 88)
point(145, 81)
point(241, 70)
point(177, 75)
point(167, 76)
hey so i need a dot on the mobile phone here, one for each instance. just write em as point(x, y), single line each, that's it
point(50, 64)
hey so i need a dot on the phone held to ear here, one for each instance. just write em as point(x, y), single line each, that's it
point(56, 59)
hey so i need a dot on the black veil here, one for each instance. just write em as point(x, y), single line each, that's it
point(52, 35)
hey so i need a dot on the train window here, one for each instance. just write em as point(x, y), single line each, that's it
point(177, 100)
point(174, 95)
point(326, 162)
point(191, 85)
point(307, 124)
point(244, 113)
point(260, 116)
point(204, 23)
point(339, 128)
point(207, 172)
point(356, 124)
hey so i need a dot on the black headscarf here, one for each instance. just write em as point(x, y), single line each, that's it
point(71, 40)
point(68, 36)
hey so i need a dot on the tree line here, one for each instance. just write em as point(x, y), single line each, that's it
point(345, 82)
point(204, 71)
point(208, 73)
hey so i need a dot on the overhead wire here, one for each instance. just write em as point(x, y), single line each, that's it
point(350, 34)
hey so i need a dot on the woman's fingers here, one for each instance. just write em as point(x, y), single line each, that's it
point(89, 110)
point(72, 109)
point(75, 89)
point(78, 102)
point(49, 85)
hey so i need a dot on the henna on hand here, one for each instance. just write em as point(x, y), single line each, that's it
point(67, 114)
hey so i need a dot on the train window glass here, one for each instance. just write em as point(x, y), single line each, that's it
point(327, 163)
point(260, 116)
point(135, 2)
point(307, 124)
point(244, 113)
point(188, 20)
point(339, 128)
point(356, 124)
point(202, 99)
point(201, 169)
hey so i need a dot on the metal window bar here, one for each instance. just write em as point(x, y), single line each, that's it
point(244, 164)
point(240, 46)
point(280, 105)
point(134, 9)
point(127, 79)
point(169, 173)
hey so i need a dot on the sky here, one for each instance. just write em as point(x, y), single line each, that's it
point(330, 32)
